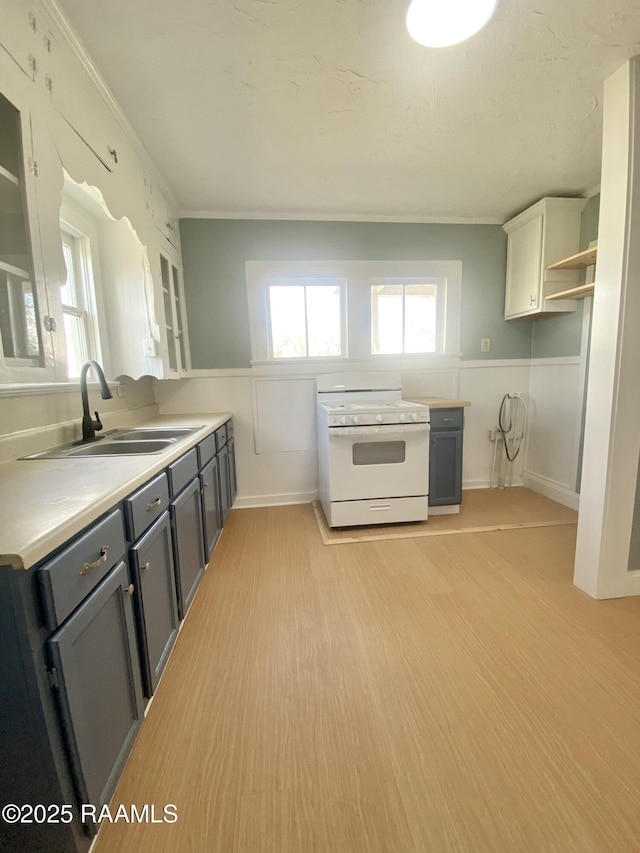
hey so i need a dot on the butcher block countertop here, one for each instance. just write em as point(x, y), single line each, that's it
point(46, 502)
point(439, 402)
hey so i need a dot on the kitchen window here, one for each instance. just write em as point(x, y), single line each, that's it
point(305, 318)
point(78, 292)
point(406, 317)
point(356, 310)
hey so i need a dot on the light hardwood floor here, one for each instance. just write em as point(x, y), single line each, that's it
point(431, 695)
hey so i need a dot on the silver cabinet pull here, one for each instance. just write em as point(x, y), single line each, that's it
point(447, 420)
point(130, 589)
point(154, 504)
point(86, 567)
point(146, 566)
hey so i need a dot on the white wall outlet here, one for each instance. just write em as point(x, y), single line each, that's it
point(485, 344)
point(121, 390)
point(149, 347)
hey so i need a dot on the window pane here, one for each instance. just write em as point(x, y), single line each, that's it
point(68, 289)
point(75, 333)
point(287, 311)
point(420, 318)
point(386, 319)
point(323, 320)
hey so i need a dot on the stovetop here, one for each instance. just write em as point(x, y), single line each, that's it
point(371, 406)
point(373, 413)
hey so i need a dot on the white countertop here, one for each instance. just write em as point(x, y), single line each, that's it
point(440, 402)
point(46, 502)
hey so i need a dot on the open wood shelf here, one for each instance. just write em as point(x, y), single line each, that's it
point(576, 262)
point(578, 292)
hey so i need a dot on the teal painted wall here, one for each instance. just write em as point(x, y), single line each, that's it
point(561, 335)
point(214, 252)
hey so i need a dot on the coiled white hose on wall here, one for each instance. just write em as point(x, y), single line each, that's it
point(512, 424)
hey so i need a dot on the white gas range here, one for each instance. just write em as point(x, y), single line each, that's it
point(373, 451)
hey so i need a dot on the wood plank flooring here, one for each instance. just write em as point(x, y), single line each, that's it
point(451, 694)
point(482, 510)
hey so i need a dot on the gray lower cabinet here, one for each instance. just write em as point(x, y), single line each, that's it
point(225, 482)
point(212, 517)
point(445, 457)
point(233, 485)
point(154, 578)
point(73, 667)
point(97, 682)
point(188, 543)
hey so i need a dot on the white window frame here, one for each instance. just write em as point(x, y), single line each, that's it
point(356, 313)
point(306, 281)
point(82, 233)
point(441, 288)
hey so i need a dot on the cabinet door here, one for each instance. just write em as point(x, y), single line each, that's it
point(26, 349)
point(177, 337)
point(96, 661)
point(188, 543)
point(225, 482)
point(524, 268)
point(155, 600)
point(233, 484)
point(210, 486)
point(445, 468)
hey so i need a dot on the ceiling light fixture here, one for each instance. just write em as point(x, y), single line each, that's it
point(440, 23)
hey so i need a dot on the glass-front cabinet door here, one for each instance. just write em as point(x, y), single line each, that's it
point(25, 347)
point(175, 317)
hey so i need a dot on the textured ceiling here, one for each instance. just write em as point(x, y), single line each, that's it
point(327, 108)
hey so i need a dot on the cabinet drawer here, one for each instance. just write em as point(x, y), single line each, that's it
point(206, 450)
point(144, 506)
point(447, 418)
point(229, 426)
point(221, 437)
point(182, 471)
point(69, 577)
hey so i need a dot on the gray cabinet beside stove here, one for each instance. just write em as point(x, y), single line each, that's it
point(445, 457)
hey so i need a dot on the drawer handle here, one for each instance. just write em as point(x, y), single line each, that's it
point(446, 420)
point(154, 504)
point(86, 567)
point(146, 566)
point(130, 589)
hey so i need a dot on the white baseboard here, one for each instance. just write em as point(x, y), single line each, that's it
point(253, 501)
point(551, 489)
point(486, 484)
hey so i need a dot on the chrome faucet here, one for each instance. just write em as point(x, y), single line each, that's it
point(89, 425)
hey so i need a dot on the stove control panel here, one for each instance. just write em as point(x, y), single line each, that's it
point(373, 419)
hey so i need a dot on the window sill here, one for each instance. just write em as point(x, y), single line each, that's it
point(313, 367)
point(20, 389)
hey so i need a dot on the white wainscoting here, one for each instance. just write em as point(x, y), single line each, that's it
point(275, 423)
point(555, 408)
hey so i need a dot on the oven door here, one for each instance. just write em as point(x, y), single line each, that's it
point(384, 461)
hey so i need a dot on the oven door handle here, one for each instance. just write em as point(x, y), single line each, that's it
point(397, 430)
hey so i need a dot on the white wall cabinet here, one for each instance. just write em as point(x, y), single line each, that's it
point(26, 349)
point(537, 237)
point(71, 125)
point(176, 350)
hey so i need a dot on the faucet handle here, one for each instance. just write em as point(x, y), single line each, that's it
point(97, 424)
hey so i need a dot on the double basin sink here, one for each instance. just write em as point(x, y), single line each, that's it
point(121, 442)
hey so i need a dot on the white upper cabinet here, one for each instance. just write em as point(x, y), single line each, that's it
point(26, 353)
point(22, 34)
point(62, 132)
point(539, 236)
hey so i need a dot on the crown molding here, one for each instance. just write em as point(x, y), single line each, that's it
point(75, 44)
point(340, 217)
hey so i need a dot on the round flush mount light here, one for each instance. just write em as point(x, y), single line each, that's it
point(440, 23)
